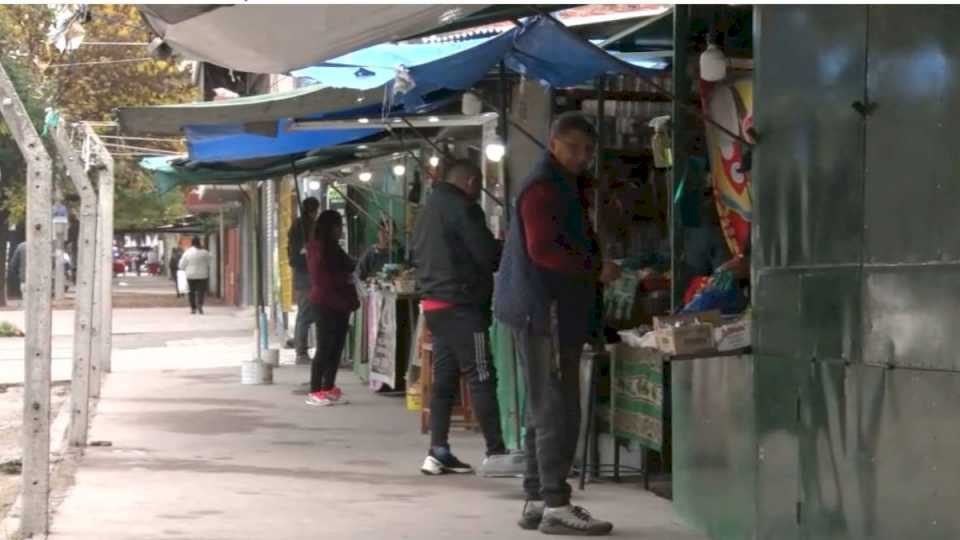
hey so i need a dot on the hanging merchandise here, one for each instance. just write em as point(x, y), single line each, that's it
point(619, 297)
point(662, 143)
point(730, 103)
point(67, 33)
point(403, 81)
point(50, 120)
point(720, 293)
point(713, 64)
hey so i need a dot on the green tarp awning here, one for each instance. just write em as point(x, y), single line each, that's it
point(169, 172)
point(263, 109)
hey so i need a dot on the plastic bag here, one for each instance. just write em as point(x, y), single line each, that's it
point(720, 293)
point(182, 286)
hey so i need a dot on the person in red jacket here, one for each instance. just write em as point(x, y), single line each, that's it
point(333, 296)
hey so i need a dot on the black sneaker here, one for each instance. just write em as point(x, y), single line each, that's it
point(573, 521)
point(532, 515)
point(444, 462)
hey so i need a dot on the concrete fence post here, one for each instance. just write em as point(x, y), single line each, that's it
point(36, 387)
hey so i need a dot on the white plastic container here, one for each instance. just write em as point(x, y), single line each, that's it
point(272, 357)
point(256, 372)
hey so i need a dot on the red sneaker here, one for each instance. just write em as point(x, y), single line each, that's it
point(319, 399)
point(335, 395)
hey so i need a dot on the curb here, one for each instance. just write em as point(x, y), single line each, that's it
point(59, 447)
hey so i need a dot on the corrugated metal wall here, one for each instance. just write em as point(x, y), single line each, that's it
point(857, 286)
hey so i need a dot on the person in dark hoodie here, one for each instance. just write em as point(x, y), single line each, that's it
point(297, 238)
point(455, 256)
point(546, 291)
point(333, 296)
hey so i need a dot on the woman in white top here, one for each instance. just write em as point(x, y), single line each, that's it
point(196, 264)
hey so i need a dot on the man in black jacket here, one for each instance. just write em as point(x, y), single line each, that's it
point(297, 255)
point(455, 255)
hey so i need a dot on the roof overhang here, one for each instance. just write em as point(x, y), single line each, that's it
point(438, 121)
point(278, 38)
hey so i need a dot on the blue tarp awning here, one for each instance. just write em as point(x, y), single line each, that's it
point(542, 49)
point(434, 82)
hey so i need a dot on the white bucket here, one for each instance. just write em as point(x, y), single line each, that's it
point(272, 357)
point(256, 372)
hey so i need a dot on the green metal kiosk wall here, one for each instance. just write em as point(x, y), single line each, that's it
point(843, 423)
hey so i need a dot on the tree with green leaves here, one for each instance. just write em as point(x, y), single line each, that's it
point(110, 68)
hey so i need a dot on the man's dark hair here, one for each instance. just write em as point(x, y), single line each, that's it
point(310, 205)
point(196, 242)
point(462, 169)
point(573, 121)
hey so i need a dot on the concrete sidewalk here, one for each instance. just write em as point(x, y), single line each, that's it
point(144, 338)
point(198, 456)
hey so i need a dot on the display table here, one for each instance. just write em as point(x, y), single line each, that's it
point(636, 398)
point(383, 333)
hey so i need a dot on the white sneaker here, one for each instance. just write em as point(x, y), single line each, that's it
point(510, 465)
point(573, 521)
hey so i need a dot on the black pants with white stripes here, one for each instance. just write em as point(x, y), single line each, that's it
point(461, 344)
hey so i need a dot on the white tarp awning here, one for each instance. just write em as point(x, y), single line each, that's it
point(272, 38)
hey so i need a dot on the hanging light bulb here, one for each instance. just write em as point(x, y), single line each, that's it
point(434, 161)
point(314, 185)
point(713, 64)
point(495, 150)
point(365, 176)
point(399, 169)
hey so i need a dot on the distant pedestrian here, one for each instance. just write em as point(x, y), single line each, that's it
point(18, 267)
point(153, 262)
point(196, 263)
point(174, 264)
point(297, 257)
point(333, 296)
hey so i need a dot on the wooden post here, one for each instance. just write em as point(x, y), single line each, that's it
point(104, 168)
point(86, 263)
point(36, 384)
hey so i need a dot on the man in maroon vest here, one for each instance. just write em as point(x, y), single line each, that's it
point(546, 291)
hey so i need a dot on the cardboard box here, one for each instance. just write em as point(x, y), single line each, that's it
point(682, 335)
point(734, 335)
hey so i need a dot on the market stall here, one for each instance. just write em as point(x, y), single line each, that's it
point(655, 210)
point(388, 322)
